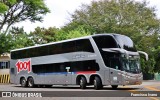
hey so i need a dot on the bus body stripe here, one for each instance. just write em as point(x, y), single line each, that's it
point(85, 72)
point(56, 73)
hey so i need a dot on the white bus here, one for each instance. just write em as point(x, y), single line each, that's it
point(102, 59)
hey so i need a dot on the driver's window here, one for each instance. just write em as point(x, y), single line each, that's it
point(115, 63)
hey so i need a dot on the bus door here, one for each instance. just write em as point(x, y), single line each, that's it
point(64, 76)
point(114, 71)
point(68, 75)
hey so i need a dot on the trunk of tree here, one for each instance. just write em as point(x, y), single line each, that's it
point(7, 29)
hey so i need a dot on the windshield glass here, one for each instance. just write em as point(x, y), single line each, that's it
point(132, 66)
point(125, 42)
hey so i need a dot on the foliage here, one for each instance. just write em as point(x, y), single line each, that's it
point(42, 35)
point(116, 16)
point(75, 33)
point(52, 34)
point(15, 11)
point(20, 38)
point(134, 19)
point(5, 43)
point(16, 39)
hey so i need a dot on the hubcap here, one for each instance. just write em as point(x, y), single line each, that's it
point(81, 82)
point(30, 83)
point(23, 81)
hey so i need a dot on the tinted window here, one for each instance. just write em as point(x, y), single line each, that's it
point(90, 65)
point(42, 51)
point(115, 63)
point(66, 47)
point(12, 71)
point(84, 45)
point(105, 41)
point(125, 42)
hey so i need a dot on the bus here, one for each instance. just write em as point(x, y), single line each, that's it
point(98, 60)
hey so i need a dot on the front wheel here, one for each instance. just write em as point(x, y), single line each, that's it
point(30, 82)
point(97, 83)
point(83, 83)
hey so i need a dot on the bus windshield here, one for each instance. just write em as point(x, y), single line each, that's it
point(125, 43)
point(132, 66)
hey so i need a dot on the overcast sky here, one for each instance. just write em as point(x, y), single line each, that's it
point(60, 10)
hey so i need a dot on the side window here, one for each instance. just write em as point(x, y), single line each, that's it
point(56, 48)
point(14, 55)
point(4, 65)
point(42, 51)
point(89, 65)
point(84, 45)
point(38, 69)
point(68, 47)
point(33, 52)
point(105, 42)
point(115, 63)
point(12, 71)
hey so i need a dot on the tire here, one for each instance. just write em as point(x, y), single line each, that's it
point(97, 83)
point(31, 82)
point(83, 82)
point(23, 82)
point(114, 86)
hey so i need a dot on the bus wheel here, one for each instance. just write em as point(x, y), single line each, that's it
point(23, 82)
point(30, 82)
point(97, 83)
point(114, 86)
point(83, 83)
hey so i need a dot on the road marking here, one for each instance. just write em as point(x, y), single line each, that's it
point(153, 98)
point(154, 85)
point(151, 88)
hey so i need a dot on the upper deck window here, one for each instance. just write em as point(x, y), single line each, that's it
point(105, 41)
point(81, 45)
point(125, 42)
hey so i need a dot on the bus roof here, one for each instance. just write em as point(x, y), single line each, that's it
point(85, 37)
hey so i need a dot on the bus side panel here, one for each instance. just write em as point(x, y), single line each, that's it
point(13, 71)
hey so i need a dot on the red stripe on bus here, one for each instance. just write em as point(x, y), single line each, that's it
point(85, 72)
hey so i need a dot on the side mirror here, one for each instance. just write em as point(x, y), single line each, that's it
point(144, 53)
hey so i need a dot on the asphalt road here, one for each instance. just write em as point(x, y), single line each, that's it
point(149, 90)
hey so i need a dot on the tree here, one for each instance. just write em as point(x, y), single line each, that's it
point(14, 11)
point(5, 43)
point(42, 35)
point(74, 33)
point(19, 38)
point(52, 34)
point(117, 16)
point(134, 19)
point(16, 38)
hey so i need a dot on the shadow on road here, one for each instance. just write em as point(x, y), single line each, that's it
point(77, 88)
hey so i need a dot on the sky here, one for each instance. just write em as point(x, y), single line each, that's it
point(60, 11)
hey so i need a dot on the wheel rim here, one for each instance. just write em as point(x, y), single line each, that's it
point(30, 83)
point(23, 82)
point(95, 83)
point(81, 83)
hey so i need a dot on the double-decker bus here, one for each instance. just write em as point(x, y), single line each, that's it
point(101, 59)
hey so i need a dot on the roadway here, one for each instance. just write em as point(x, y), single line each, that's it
point(57, 92)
